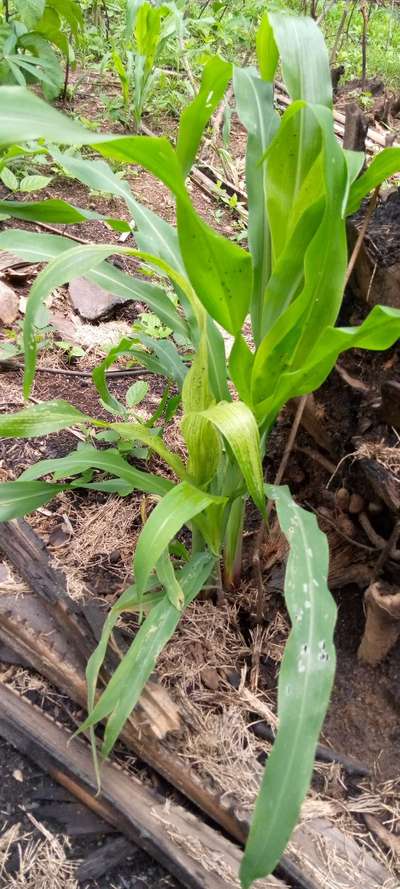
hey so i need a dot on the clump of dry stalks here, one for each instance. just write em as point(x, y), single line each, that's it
point(42, 862)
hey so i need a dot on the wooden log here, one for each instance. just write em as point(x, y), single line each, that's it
point(196, 854)
point(155, 754)
point(382, 481)
point(69, 638)
point(113, 852)
point(312, 423)
point(332, 859)
point(74, 819)
point(355, 128)
point(29, 555)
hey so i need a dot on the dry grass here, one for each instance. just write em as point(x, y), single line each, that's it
point(222, 750)
point(10, 392)
point(42, 863)
point(7, 839)
point(216, 739)
point(388, 457)
point(103, 528)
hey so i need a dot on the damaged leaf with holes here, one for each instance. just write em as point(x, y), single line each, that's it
point(287, 288)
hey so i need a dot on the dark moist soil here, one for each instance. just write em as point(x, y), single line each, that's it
point(363, 718)
point(16, 799)
point(382, 238)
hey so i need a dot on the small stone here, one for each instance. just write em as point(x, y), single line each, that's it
point(210, 678)
point(234, 678)
point(4, 572)
point(90, 300)
point(59, 536)
point(357, 504)
point(342, 499)
point(18, 776)
point(346, 525)
point(115, 557)
point(9, 304)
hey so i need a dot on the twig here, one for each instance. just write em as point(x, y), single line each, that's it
point(291, 440)
point(361, 235)
point(204, 7)
point(325, 518)
point(338, 36)
point(261, 531)
point(66, 79)
point(365, 16)
point(57, 231)
point(322, 754)
point(387, 550)
point(324, 12)
point(16, 365)
point(319, 458)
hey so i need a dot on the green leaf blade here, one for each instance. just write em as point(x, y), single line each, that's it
point(109, 461)
point(41, 419)
point(235, 421)
point(194, 118)
point(254, 100)
point(126, 684)
point(177, 508)
point(304, 57)
point(385, 164)
point(305, 683)
point(20, 498)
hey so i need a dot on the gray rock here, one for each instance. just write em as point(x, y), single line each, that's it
point(9, 304)
point(90, 300)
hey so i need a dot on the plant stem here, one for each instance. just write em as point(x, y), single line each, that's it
point(66, 79)
point(350, 18)
point(339, 33)
point(220, 585)
point(361, 235)
point(234, 544)
point(291, 440)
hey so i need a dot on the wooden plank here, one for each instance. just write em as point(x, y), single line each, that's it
point(113, 852)
point(46, 651)
point(176, 773)
point(355, 128)
point(196, 854)
point(332, 859)
point(74, 819)
point(42, 646)
point(374, 137)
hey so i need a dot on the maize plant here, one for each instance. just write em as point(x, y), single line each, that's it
point(290, 282)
